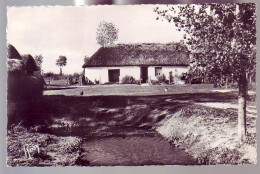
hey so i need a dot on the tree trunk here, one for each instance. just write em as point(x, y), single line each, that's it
point(226, 82)
point(242, 85)
point(60, 71)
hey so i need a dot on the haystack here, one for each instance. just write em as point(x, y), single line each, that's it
point(12, 53)
point(29, 63)
point(15, 67)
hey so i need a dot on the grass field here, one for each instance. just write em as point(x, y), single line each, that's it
point(63, 117)
point(127, 90)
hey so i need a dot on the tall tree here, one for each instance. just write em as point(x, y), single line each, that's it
point(222, 39)
point(38, 59)
point(61, 61)
point(107, 33)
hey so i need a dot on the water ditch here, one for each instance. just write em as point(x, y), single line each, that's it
point(125, 146)
point(118, 131)
point(136, 149)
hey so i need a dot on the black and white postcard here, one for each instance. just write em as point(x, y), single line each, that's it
point(131, 85)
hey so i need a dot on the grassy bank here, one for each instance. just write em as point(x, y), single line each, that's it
point(53, 150)
point(210, 135)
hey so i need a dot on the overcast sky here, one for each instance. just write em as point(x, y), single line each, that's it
point(71, 31)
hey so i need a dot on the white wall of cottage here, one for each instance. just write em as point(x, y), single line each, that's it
point(101, 73)
point(178, 70)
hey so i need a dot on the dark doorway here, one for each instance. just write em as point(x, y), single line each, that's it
point(113, 75)
point(144, 74)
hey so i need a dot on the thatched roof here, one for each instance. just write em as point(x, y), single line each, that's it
point(140, 54)
point(12, 52)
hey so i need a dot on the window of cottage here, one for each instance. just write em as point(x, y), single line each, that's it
point(158, 71)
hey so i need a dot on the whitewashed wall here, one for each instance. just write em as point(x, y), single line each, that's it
point(131, 71)
point(166, 71)
point(101, 73)
point(97, 73)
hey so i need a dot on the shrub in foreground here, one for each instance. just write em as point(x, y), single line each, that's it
point(161, 78)
point(128, 80)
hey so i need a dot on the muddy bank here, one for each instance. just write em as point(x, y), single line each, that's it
point(210, 135)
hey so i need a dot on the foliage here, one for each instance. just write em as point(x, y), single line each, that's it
point(107, 33)
point(97, 82)
point(57, 77)
point(195, 75)
point(38, 59)
point(222, 37)
point(76, 75)
point(49, 74)
point(74, 79)
point(222, 40)
point(88, 82)
point(61, 61)
point(161, 78)
point(128, 80)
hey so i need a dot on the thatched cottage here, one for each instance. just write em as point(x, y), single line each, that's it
point(142, 61)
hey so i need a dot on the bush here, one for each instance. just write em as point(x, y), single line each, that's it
point(196, 80)
point(56, 77)
point(184, 76)
point(155, 82)
point(128, 80)
point(88, 82)
point(252, 86)
point(161, 78)
point(96, 82)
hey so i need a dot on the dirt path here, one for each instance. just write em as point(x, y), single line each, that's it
point(251, 110)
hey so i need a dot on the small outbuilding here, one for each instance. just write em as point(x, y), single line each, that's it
point(144, 62)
